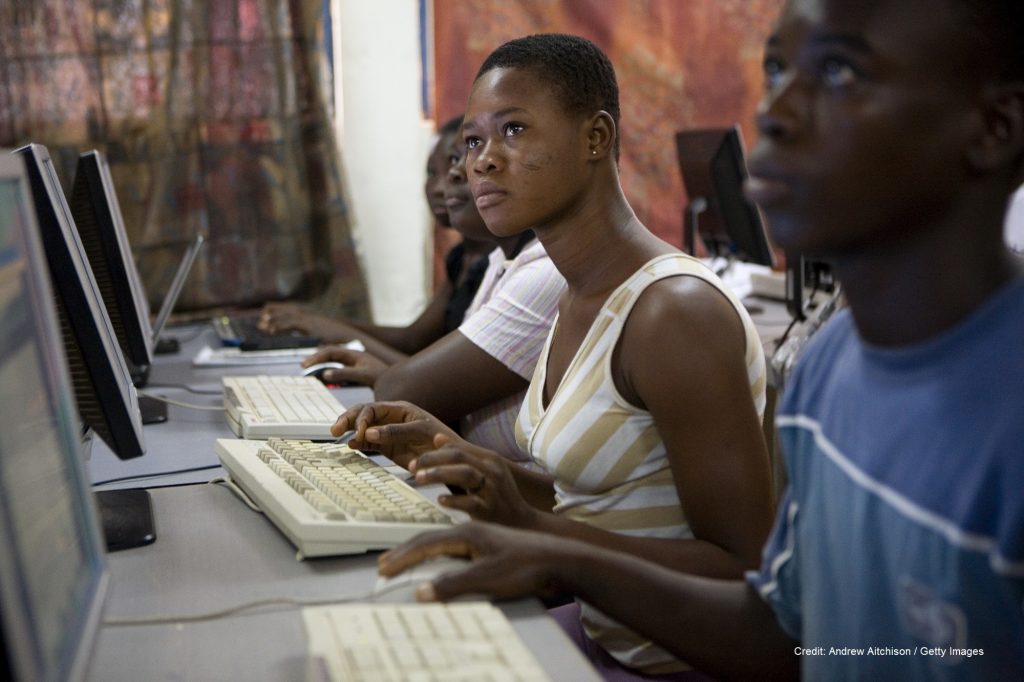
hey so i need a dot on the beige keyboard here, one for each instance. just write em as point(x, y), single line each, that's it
point(280, 406)
point(327, 498)
point(460, 641)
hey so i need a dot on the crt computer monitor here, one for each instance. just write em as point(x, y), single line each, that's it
point(97, 215)
point(53, 574)
point(713, 167)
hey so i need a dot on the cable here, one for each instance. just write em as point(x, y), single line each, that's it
point(785, 334)
point(210, 408)
point(239, 493)
point(190, 389)
point(288, 602)
point(158, 474)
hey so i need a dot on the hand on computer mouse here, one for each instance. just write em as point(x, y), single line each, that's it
point(357, 367)
point(320, 369)
point(402, 587)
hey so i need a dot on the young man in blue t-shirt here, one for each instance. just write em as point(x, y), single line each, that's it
point(891, 137)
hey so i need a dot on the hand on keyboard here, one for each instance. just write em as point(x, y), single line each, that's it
point(485, 477)
point(399, 430)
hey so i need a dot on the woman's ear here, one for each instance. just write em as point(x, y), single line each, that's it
point(601, 134)
point(1000, 141)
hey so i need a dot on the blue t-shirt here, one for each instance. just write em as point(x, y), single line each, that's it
point(898, 552)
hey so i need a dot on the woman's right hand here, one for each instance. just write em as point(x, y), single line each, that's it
point(399, 430)
point(360, 367)
point(283, 317)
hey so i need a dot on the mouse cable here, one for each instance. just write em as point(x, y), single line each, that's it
point(240, 609)
point(164, 399)
point(190, 389)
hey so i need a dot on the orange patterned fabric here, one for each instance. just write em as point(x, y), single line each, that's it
point(212, 118)
point(680, 64)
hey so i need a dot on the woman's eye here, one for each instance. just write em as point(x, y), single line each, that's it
point(511, 129)
point(472, 142)
point(773, 70)
point(454, 160)
point(837, 73)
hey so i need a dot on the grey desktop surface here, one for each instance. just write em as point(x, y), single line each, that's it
point(186, 440)
point(212, 552)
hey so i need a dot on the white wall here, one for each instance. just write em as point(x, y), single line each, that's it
point(384, 143)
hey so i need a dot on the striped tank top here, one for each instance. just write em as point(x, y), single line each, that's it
point(610, 466)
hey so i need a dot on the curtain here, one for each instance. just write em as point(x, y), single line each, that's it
point(214, 120)
point(680, 64)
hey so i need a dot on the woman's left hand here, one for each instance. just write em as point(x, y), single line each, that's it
point(491, 493)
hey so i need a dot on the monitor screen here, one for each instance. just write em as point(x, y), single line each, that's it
point(177, 284)
point(714, 168)
point(101, 228)
point(107, 400)
point(53, 576)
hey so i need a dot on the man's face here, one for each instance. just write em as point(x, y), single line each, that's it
point(863, 123)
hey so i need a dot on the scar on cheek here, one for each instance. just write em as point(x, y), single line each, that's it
point(530, 166)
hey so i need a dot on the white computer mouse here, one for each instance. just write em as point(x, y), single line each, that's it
point(319, 368)
point(401, 588)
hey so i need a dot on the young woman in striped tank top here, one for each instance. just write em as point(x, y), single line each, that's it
point(644, 410)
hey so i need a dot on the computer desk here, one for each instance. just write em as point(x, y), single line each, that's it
point(212, 553)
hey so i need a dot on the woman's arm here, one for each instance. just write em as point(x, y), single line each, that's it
point(390, 344)
point(682, 357)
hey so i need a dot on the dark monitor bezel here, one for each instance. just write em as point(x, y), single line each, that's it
point(713, 168)
point(20, 653)
point(97, 216)
point(107, 400)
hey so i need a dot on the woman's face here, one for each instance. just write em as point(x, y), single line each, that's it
point(526, 157)
point(437, 171)
point(459, 199)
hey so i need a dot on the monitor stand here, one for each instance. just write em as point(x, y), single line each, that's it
point(166, 346)
point(127, 518)
point(153, 411)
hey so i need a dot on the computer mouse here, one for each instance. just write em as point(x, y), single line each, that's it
point(319, 368)
point(401, 588)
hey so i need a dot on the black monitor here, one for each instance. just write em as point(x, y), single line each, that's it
point(100, 227)
point(106, 399)
point(53, 575)
point(713, 167)
point(97, 214)
point(806, 276)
